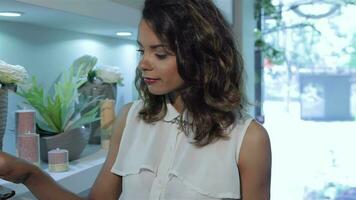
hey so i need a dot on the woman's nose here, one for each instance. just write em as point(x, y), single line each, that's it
point(145, 63)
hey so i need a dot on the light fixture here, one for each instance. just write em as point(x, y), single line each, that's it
point(123, 34)
point(10, 14)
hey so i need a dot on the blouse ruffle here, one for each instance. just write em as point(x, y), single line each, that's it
point(210, 170)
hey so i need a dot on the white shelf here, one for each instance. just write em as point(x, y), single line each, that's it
point(79, 178)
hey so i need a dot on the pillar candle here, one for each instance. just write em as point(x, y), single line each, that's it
point(28, 147)
point(107, 112)
point(25, 121)
point(107, 115)
point(58, 160)
point(105, 138)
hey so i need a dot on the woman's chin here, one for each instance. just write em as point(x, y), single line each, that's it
point(157, 92)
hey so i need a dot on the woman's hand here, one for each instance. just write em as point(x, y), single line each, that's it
point(14, 169)
point(42, 186)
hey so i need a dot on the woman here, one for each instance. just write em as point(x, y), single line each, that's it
point(188, 137)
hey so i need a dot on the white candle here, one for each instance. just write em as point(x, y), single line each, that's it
point(58, 160)
point(28, 147)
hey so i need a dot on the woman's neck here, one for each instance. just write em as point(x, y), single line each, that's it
point(176, 101)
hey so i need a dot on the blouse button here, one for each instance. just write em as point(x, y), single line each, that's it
point(160, 186)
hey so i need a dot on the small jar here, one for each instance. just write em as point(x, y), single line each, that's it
point(58, 160)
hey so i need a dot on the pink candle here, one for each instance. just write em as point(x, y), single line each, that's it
point(25, 121)
point(58, 160)
point(28, 147)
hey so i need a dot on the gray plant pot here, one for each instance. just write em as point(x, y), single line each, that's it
point(73, 140)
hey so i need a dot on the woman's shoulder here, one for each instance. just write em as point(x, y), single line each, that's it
point(256, 142)
point(125, 108)
point(136, 104)
point(129, 111)
point(256, 132)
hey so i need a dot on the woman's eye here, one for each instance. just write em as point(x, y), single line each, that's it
point(140, 51)
point(161, 56)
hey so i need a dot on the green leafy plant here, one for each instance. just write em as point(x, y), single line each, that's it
point(62, 107)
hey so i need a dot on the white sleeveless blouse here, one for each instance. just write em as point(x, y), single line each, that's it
point(158, 161)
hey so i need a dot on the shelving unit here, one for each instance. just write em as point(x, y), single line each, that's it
point(80, 177)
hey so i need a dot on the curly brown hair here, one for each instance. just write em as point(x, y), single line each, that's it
point(208, 62)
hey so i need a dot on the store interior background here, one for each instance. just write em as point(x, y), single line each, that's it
point(308, 155)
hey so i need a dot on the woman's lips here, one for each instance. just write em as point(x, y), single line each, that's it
point(150, 81)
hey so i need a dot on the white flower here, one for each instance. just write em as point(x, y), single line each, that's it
point(12, 74)
point(109, 74)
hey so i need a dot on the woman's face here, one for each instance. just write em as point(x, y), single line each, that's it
point(158, 64)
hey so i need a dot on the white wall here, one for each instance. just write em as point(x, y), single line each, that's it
point(243, 27)
point(47, 52)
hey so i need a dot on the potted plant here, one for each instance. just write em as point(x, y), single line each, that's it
point(61, 111)
point(102, 80)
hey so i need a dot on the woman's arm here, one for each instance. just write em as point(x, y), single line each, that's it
point(38, 182)
point(255, 163)
point(108, 185)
